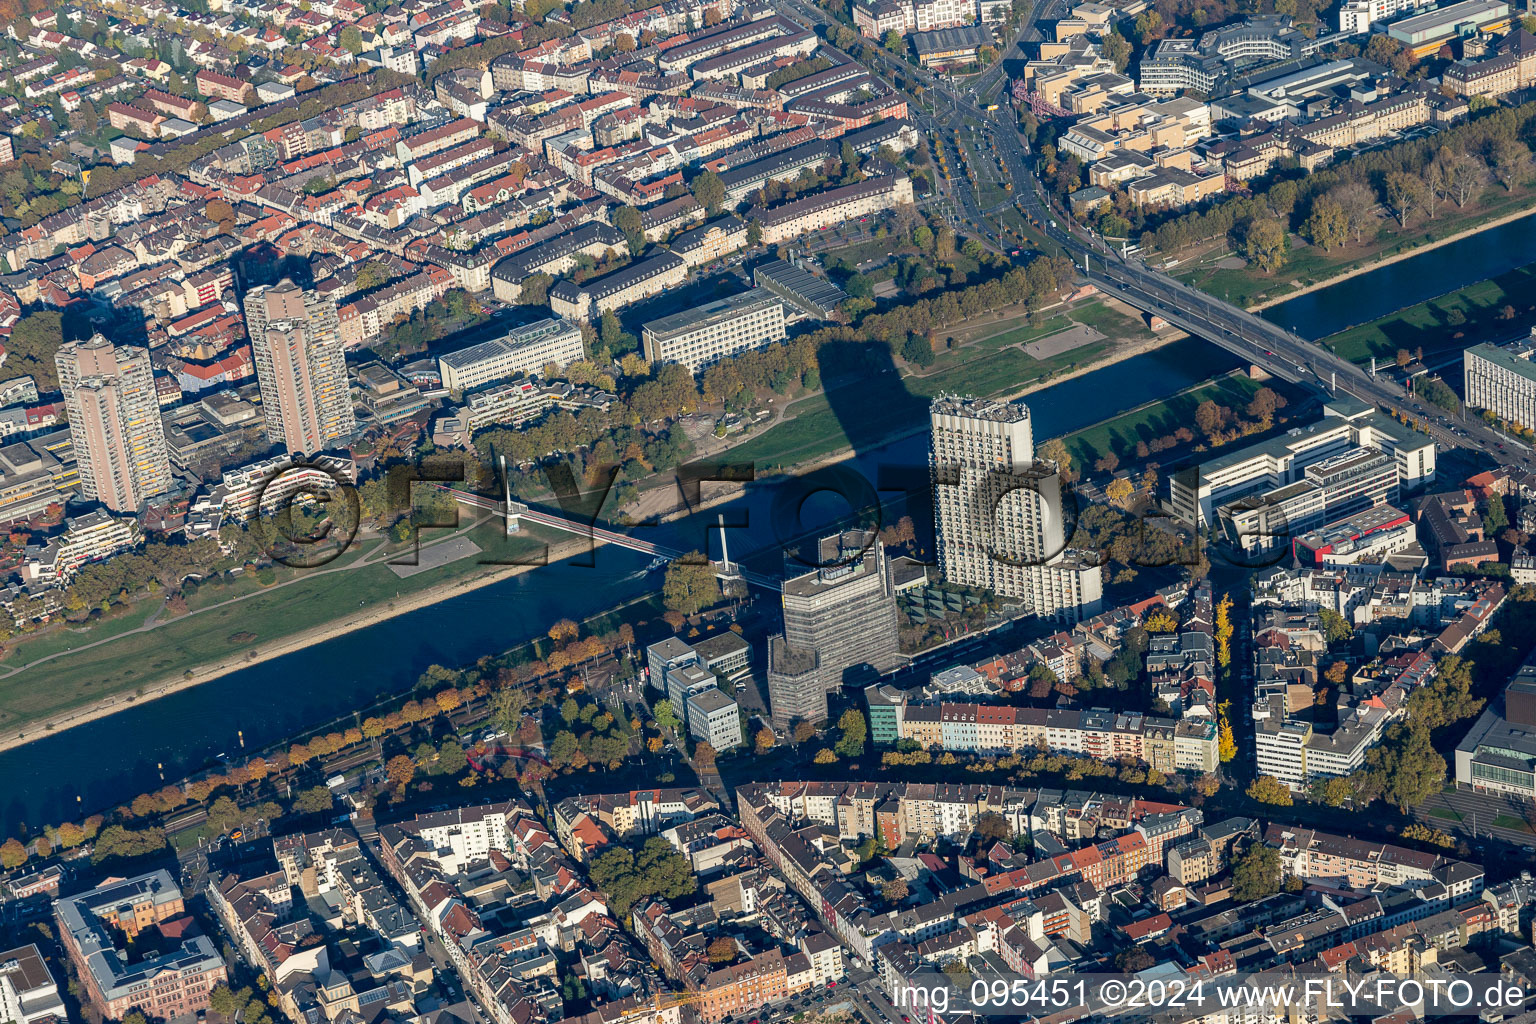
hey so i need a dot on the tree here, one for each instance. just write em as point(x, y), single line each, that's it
point(400, 770)
point(1267, 789)
point(313, 800)
point(1119, 490)
point(627, 220)
point(371, 275)
point(690, 585)
point(704, 755)
point(892, 41)
point(1336, 628)
point(992, 827)
point(722, 950)
point(762, 741)
point(350, 40)
point(1457, 175)
point(1385, 50)
point(1256, 874)
point(1264, 245)
point(1406, 766)
point(854, 732)
point(709, 191)
point(564, 748)
point(1328, 226)
point(1406, 195)
point(1511, 161)
point(1056, 451)
point(12, 854)
point(1359, 205)
point(804, 732)
point(1161, 621)
point(507, 706)
point(1116, 49)
point(1333, 790)
point(895, 890)
point(918, 350)
point(1224, 631)
point(825, 756)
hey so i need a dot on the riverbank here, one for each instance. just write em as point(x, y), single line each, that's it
point(1397, 257)
point(15, 736)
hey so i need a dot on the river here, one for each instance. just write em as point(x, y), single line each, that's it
point(111, 760)
point(1385, 290)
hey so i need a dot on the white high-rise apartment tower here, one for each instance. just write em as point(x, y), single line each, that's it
point(998, 510)
point(114, 419)
point(296, 339)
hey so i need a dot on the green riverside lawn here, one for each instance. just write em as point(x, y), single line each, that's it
point(1479, 312)
point(137, 660)
point(1155, 419)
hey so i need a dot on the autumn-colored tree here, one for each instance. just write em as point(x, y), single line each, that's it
point(564, 631)
point(1163, 620)
point(447, 699)
point(654, 744)
point(895, 890)
point(400, 770)
point(1267, 789)
point(1224, 631)
point(12, 854)
point(722, 950)
point(804, 732)
point(825, 756)
point(1226, 742)
point(256, 769)
point(704, 755)
point(763, 740)
point(1337, 672)
point(71, 835)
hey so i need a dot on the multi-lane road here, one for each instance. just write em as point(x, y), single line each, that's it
point(1267, 345)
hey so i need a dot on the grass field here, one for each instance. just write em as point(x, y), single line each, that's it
point(862, 415)
point(136, 660)
point(1445, 813)
point(1432, 325)
point(1155, 419)
point(1309, 265)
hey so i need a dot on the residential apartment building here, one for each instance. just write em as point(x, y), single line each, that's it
point(28, 992)
point(162, 984)
point(1502, 381)
point(834, 206)
point(114, 416)
point(641, 279)
point(838, 617)
point(1162, 743)
point(296, 340)
point(1195, 493)
point(999, 514)
point(704, 335)
point(92, 537)
point(522, 351)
